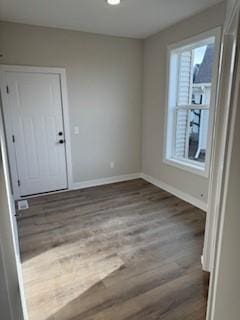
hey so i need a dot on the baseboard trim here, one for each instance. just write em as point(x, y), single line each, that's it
point(126, 177)
point(178, 193)
point(103, 181)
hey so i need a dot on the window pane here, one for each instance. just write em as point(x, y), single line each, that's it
point(181, 133)
point(189, 102)
point(197, 136)
point(202, 74)
point(184, 78)
point(191, 134)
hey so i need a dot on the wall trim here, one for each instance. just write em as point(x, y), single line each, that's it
point(176, 192)
point(103, 181)
point(127, 177)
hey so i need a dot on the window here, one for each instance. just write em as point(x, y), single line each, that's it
point(191, 100)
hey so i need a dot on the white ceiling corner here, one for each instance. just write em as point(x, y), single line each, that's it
point(133, 18)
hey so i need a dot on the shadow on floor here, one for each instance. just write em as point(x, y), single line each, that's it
point(170, 294)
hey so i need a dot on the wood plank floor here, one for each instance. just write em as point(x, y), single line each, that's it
point(125, 251)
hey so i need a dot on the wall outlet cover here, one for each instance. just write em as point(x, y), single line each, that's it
point(23, 205)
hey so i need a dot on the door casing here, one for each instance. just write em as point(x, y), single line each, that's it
point(12, 230)
point(61, 72)
point(224, 96)
point(232, 27)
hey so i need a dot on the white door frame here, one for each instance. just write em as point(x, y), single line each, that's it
point(13, 230)
point(232, 90)
point(226, 75)
point(61, 72)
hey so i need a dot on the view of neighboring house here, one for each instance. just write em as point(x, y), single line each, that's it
point(190, 95)
point(201, 94)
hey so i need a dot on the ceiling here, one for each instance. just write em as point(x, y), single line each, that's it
point(132, 18)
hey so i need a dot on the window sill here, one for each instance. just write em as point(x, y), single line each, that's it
point(190, 167)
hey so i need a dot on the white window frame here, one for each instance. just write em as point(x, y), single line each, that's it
point(185, 164)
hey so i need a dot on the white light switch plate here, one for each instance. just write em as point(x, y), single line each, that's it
point(76, 130)
point(112, 164)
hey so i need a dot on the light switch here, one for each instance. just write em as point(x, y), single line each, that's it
point(76, 130)
point(112, 164)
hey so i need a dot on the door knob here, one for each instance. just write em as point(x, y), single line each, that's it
point(61, 141)
point(60, 133)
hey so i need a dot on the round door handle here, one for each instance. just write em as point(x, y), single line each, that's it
point(60, 133)
point(61, 141)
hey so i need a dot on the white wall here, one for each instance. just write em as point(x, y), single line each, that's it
point(104, 79)
point(155, 62)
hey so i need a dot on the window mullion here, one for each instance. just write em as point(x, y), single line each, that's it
point(174, 133)
point(192, 106)
point(187, 135)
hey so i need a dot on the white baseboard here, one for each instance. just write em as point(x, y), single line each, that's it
point(126, 177)
point(178, 193)
point(103, 181)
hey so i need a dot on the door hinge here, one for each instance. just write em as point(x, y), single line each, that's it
point(7, 89)
point(19, 183)
point(13, 138)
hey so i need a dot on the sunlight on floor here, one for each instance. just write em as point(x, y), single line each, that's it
point(70, 276)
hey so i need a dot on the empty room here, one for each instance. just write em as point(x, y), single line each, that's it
point(118, 121)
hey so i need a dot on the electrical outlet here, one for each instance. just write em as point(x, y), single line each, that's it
point(112, 164)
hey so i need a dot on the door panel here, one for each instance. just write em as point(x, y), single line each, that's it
point(35, 108)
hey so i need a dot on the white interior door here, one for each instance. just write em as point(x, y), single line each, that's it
point(35, 122)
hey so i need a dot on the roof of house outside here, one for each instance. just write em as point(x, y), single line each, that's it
point(203, 71)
